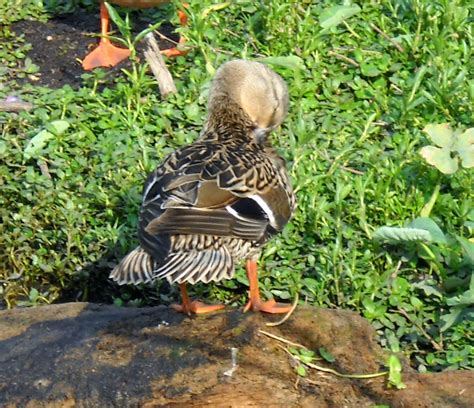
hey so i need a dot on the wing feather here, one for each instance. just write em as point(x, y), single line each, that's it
point(220, 223)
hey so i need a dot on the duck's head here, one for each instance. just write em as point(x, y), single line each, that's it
point(260, 92)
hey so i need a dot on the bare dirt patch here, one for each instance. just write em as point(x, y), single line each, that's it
point(59, 45)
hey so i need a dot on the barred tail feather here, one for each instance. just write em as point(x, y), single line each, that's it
point(197, 266)
point(137, 267)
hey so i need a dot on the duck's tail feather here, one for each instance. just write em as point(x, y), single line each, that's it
point(197, 266)
point(137, 267)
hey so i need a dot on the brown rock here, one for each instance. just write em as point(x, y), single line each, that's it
point(83, 355)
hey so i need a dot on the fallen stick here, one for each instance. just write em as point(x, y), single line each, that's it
point(158, 67)
point(15, 106)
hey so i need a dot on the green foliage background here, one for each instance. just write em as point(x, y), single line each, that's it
point(359, 102)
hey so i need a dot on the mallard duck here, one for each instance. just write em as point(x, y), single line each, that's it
point(107, 54)
point(218, 200)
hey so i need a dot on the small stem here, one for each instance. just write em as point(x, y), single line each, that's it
point(351, 30)
point(428, 207)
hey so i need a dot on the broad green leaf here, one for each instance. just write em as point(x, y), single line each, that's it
point(33, 295)
point(290, 61)
point(395, 234)
point(336, 15)
point(429, 225)
point(215, 7)
point(306, 359)
point(118, 302)
point(326, 355)
point(464, 146)
point(469, 224)
point(451, 283)
point(395, 372)
point(3, 148)
point(36, 144)
point(294, 350)
point(470, 214)
point(468, 247)
point(428, 289)
point(373, 310)
point(440, 158)
point(307, 353)
point(450, 318)
point(465, 299)
point(30, 67)
point(416, 303)
point(192, 111)
point(441, 135)
point(209, 68)
point(301, 370)
point(393, 341)
point(57, 127)
point(368, 69)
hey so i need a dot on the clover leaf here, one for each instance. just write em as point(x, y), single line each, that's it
point(451, 146)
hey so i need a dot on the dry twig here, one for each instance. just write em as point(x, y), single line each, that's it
point(393, 42)
point(157, 65)
point(435, 344)
point(337, 373)
point(44, 169)
point(15, 106)
point(315, 366)
point(289, 342)
point(344, 58)
point(351, 170)
point(287, 316)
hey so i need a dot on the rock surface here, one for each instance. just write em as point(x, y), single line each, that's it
point(88, 355)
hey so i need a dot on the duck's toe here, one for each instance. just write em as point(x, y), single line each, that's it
point(271, 306)
point(196, 307)
point(105, 55)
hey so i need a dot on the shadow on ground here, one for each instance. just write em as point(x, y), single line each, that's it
point(82, 354)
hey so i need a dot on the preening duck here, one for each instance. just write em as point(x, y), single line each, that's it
point(216, 201)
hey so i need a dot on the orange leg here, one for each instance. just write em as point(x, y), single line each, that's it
point(174, 52)
point(193, 307)
point(106, 54)
point(255, 304)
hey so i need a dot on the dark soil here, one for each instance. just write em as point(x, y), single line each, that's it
point(59, 46)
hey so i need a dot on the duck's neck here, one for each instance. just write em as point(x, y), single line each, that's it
point(227, 121)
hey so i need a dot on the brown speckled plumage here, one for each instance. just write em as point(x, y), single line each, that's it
point(219, 199)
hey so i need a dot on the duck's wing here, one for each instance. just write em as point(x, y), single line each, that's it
point(230, 192)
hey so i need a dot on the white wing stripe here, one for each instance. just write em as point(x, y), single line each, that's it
point(265, 207)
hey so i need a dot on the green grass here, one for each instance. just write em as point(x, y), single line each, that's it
point(359, 103)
